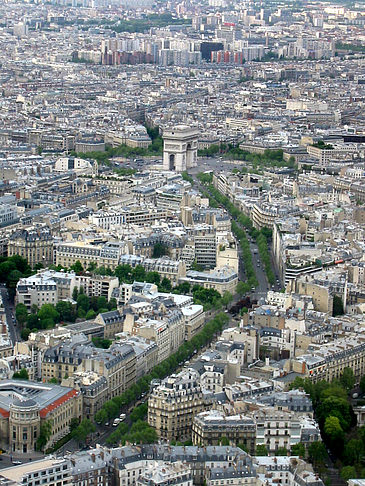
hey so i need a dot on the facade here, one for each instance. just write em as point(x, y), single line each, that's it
point(222, 279)
point(51, 470)
point(117, 364)
point(209, 428)
point(26, 405)
point(180, 148)
point(105, 255)
point(33, 244)
point(173, 405)
point(165, 474)
point(49, 287)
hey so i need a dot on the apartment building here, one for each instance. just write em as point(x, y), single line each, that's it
point(194, 318)
point(222, 279)
point(209, 428)
point(328, 361)
point(173, 405)
point(34, 244)
point(132, 215)
point(50, 471)
point(118, 364)
point(104, 255)
point(165, 474)
point(49, 287)
point(26, 405)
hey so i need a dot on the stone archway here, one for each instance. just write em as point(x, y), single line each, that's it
point(172, 162)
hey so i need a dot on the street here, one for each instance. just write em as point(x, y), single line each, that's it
point(10, 315)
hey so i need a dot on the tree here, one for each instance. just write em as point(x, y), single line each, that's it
point(348, 472)
point(44, 434)
point(66, 311)
point(242, 288)
point(261, 450)
point(85, 428)
point(353, 451)
point(48, 311)
point(77, 267)
point(21, 375)
point(101, 416)
point(139, 273)
point(101, 343)
point(347, 379)
point(159, 250)
point(25, 333)
point(227, 298)
point(124, 273)
point(75, 293)
point(21, 313)
point(153, 277)
point(282, 451)
point(166, 285)
point(83, 302)
point(337, 309)
point(298, 449)
point(91, 314)
point(54, 381)
point(102, 302)
point(362, 384)
point(334, 433)
point(317, 452)
point(224, 441)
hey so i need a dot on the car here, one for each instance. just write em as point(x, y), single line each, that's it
point(16, 462)
point(107, 424)
point(122, 416)
point(116, 422)
point(253, 289)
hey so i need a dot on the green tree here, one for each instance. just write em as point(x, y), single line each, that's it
point(102, 302)
point(166, 285)
point(54, 381)
point(124, 273)
point(159, 250)
point(227, 298)
point(317, 452)
point(101, 343)
point(91, 314)
point(66, 311)
point(75, 293)
point(139, 273)
point(337, 309)
point(21, 314)
point(362, 384)
point(101, 416)
point(85, 428)
point(282, 451)
point(261, 450)
point(153, 277)
point(334, 433)
point(77, 267)
point(25, 333)
point(298, 449)
point(353, 451)
point(242, 288)
point(21, 375)
point(83, 302)
point(347, 379)
point(48, 311)
point(44, 434)
point(224, 441)
point(348, 472)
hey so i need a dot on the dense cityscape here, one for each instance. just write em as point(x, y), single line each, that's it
point(182, 243)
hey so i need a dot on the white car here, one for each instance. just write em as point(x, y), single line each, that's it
point(116, 422)
point(122, 417)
